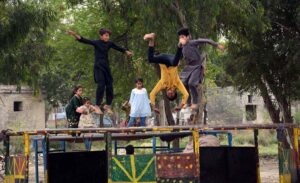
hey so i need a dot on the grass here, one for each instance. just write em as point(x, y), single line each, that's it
point(267, 141)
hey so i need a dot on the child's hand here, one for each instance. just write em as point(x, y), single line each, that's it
point(177, 109)
point(221, 47)
point(97, 109)
point(129, 53)
point(182, 41)
point(156, 110)
point(72, 33)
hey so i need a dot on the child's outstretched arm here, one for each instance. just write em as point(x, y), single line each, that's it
point(120, 49)
point(153, 94)
point(74, 34)
point(184, 92)
point(208, 41)
point(80, 38)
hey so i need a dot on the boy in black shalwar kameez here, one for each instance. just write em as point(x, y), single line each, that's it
point(102, 72)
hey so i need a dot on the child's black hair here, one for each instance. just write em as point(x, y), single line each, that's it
point(76, 88)
point(104, 31)
point(85, 100)
point(139, 80)
point(129, 150)
point(183, 31)
point(172, 98)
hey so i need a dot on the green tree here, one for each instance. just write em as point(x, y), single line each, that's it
point(23, 51)
point(264, 55)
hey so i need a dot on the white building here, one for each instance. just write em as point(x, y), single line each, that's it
point(20, 110)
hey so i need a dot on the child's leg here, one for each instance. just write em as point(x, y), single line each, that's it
point(143, 121)
point(177, 57)
point(193, 83)
point(109, 93)
point(131, 121)
point(150, 37)
point(100, 92)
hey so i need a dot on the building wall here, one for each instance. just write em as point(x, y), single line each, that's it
point(31, 115)
point(226, 105)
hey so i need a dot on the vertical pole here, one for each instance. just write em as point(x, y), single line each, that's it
point(195, 134)
point(296, 142)
point(36, 156)
point(63, 145)
point(229, 136)
point(26, 150)
point(257, 155)
point(116, 147)
point(154, 144)
point(46, 152)
point(108, 142)
point(6, 144)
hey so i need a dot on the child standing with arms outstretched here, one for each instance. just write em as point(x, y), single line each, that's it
point(140, 104)
point(102, 72)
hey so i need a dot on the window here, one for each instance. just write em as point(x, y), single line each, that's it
point(250, 112)
point(18, 106)
point(250, 99)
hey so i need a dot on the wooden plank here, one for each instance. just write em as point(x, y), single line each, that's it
point(155, 129)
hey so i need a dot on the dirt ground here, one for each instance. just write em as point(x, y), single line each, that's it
point(269, 172)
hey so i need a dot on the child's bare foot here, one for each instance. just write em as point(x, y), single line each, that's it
point(149, 36)
point(194, 106)
point(108, 110)
point(186, 106)
point(98, 110)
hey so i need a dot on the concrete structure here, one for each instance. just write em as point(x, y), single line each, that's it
point(227, 106)
point(21, 110)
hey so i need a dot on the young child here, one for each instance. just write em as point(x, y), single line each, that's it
point(73, 110)
point(102, 72)
point(86, 119)
point(192, 73)
point(169, 79)
point(140, 104)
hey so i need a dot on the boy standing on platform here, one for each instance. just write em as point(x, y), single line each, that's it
point(102, 72)
point(192, 73)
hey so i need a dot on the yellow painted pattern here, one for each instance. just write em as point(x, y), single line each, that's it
point(133, 178)
point(17, 170)
point(258, 175)
point(133, 168)
point(122, 168)
point(132, 182)
point(196, 141)
point(146, 168)
point(26, 144)
point(11, 178)
point(296, 143)
point(285, 178)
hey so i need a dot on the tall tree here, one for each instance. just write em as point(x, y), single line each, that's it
point(264, 55)
point(23, 51)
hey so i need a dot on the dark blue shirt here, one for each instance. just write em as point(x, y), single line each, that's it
point(101, 64)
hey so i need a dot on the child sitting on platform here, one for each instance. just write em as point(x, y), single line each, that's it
point(140, 104)
point(86, 119)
